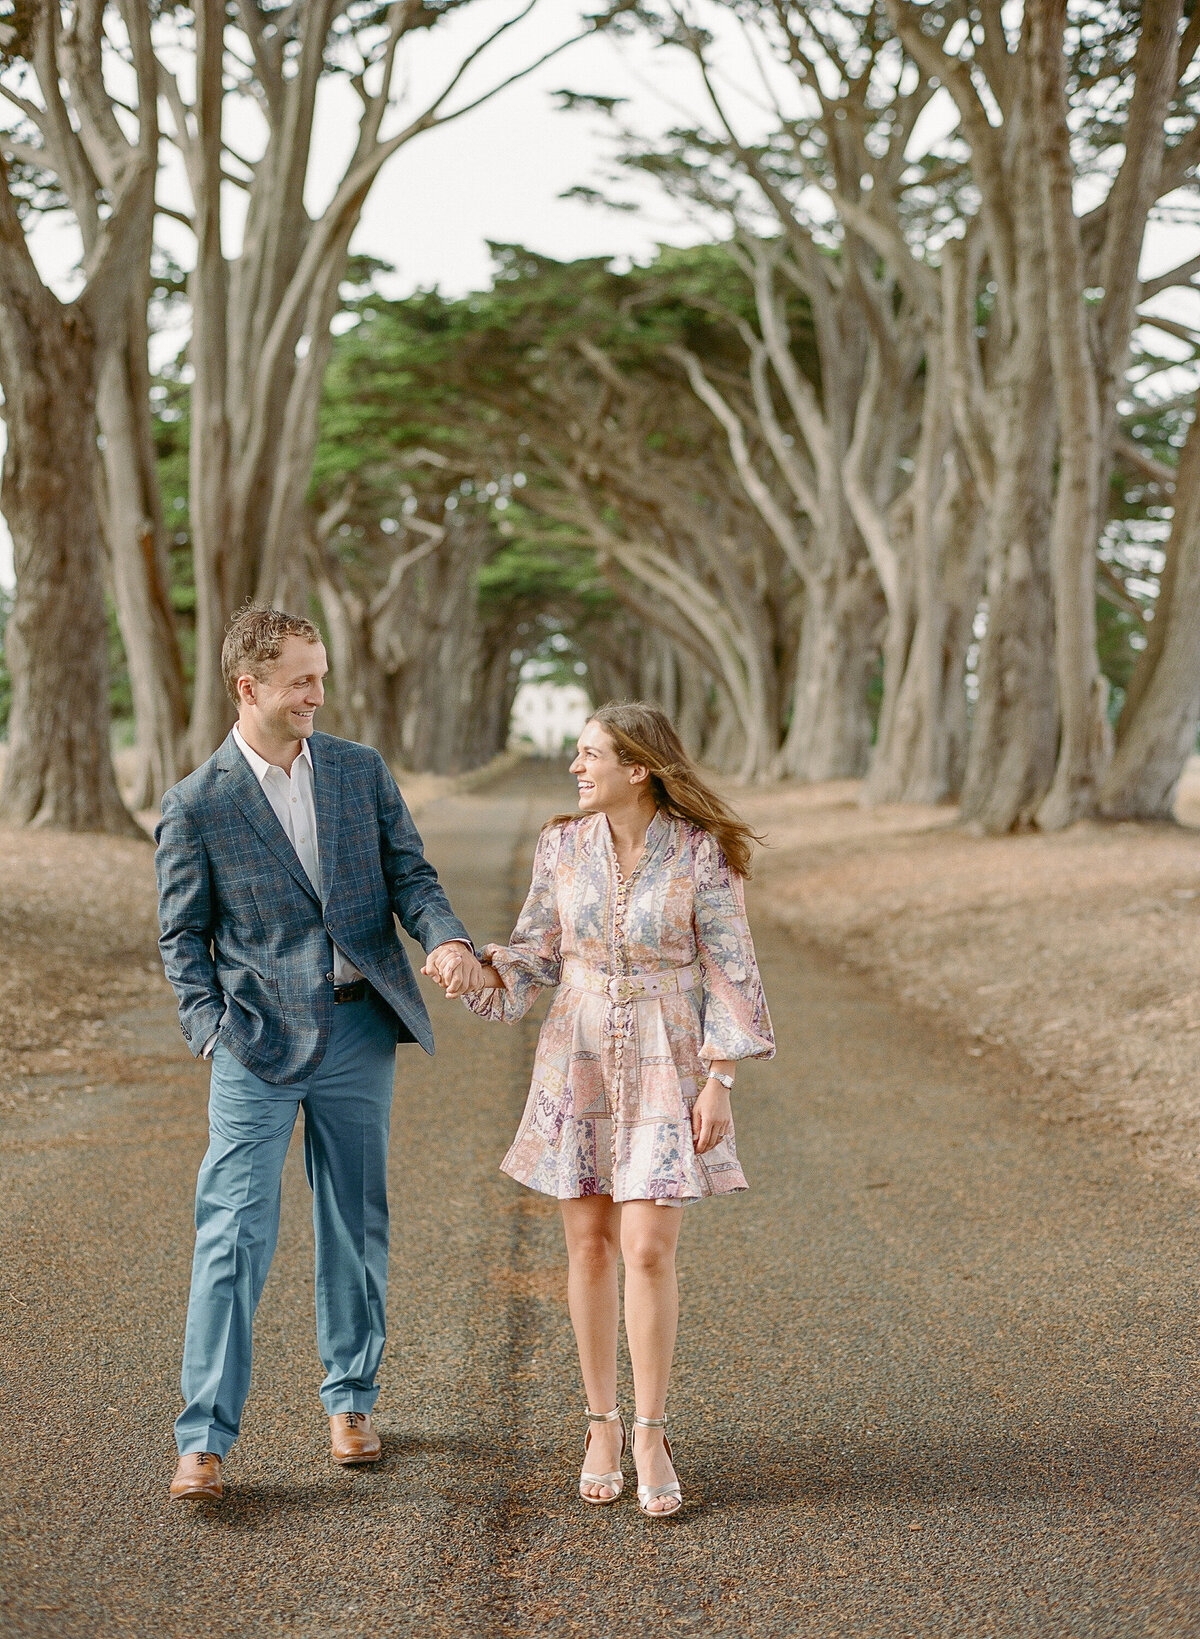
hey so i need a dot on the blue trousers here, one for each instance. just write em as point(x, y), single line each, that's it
point(347, 1109)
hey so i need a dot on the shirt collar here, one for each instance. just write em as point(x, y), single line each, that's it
point(259, 765)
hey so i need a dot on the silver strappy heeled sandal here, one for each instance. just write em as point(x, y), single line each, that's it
point(614, 1481)
point(650, 1493)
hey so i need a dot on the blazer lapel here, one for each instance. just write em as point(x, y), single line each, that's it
point(240, 784)
point(327, 790)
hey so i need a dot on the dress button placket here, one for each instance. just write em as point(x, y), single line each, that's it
point(621, 1012)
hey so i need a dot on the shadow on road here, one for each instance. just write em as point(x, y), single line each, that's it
point(1136, 1464)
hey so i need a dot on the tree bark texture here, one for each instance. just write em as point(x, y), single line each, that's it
point(136, 535)
point(1157, 730)
point(1085, 742)
point(1011, 757)
point(59, 769)
point(96, 161)
point(921, 742)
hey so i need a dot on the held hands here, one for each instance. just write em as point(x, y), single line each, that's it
point(456, 968)
point(712, 1116)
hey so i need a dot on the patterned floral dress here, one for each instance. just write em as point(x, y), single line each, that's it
point(656, 977)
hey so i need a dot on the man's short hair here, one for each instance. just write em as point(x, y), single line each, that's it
point(254, 640)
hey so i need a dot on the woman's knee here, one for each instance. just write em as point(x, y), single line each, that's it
point(647, 1253)
point(592, 1252)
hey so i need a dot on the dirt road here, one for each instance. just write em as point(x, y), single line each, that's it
point(937, 1372)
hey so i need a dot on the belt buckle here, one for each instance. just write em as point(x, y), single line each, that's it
point(621, 991)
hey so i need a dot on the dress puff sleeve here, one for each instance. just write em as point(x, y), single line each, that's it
point(735, 1020)
point(532, 959)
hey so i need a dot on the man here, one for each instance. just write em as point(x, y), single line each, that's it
point(280, 864)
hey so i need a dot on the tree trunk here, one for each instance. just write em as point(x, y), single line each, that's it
point(439, 684)
point(829, 736)
point(1158, 726)
point(59, 770)
point(920, 746)
point(693, 703)
point(221, 584)
point(492, 704)
point(1010, 760)
point(1085, 740)
point(1014, 735)
point(138, 558)
point(938, 553)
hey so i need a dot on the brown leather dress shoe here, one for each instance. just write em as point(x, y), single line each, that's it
point(354, 1438)
point(198, 1478)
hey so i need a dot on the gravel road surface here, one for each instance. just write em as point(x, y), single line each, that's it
point(937, 1370)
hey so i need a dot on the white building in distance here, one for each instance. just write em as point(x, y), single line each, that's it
point(548, 718)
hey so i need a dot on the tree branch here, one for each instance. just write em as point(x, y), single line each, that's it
point(1170, 327)
point(752, 481)
point(1133, 453)
point(1180, 275)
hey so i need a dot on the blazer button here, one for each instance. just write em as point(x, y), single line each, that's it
point(329, 978)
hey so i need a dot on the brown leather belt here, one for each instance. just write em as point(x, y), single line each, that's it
point(350, 993)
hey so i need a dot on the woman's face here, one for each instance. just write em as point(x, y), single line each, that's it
point(605, 783)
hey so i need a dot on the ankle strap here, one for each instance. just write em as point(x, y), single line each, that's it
point(650, 1422)
point(604, 1416)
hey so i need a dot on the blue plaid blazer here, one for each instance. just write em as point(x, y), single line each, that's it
point(245, 937)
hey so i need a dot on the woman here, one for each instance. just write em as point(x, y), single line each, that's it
point(636, 913)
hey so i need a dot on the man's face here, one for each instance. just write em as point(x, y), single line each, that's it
point(281, 706)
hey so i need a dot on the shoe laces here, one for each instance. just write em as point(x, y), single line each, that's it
point(352, 1418)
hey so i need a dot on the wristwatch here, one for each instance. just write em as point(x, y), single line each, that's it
point(719, 1075)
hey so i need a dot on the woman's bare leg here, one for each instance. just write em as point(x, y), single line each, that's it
point(649, 1236)
point(592, 1228)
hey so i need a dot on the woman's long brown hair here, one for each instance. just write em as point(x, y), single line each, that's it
point(643, 734)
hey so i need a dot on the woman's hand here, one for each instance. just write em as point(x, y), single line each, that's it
point(712, 1116)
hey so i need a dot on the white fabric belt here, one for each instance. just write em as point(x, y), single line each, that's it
point(627, 987)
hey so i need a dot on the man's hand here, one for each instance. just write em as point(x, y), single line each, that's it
point(455, 968)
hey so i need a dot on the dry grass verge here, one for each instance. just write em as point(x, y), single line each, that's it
point(1079, 951)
